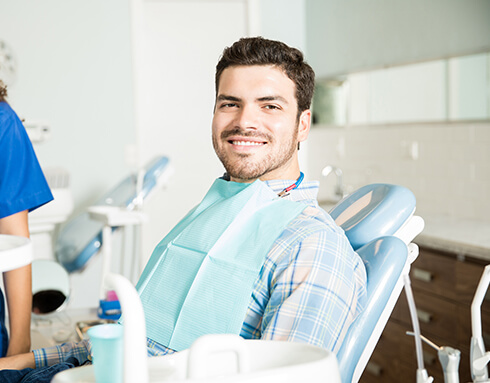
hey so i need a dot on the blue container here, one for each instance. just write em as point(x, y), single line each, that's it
point(107, 350)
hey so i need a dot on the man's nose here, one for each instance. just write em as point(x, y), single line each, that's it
point(247, 117)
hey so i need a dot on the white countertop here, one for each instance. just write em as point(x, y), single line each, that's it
point(454, 235)
point(459, 236)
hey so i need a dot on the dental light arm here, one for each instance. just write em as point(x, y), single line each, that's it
point(478, 357)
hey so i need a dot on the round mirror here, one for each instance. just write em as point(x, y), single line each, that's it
point(50, 287)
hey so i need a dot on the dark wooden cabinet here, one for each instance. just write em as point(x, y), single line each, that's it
point(443, 287)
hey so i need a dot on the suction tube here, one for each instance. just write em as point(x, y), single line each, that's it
point(422, 376)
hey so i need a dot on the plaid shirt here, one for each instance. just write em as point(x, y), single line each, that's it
point(310, 289)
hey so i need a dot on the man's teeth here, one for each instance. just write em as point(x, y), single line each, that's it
point(247, 143)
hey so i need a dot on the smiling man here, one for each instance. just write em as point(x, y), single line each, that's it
point(257, 257)
point(257, 125)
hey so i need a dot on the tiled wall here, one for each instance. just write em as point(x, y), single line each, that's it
point(447, 166)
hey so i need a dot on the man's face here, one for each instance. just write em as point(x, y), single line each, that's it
point(255, 126)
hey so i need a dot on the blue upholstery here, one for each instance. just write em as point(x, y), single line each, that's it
point(380, 209)
point(384, 259)
point(370, 217)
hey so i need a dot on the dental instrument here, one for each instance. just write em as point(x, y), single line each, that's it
point(422, 375)
point(112, 217)
point(287, 190)
point(478, 357)
point(448, 357)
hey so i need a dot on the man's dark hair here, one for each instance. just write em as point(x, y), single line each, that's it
point(259, 51)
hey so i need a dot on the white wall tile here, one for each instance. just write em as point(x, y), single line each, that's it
point(450, 177)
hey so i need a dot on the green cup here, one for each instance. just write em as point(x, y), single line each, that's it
point(107, 350)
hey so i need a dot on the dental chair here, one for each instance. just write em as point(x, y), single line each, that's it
point(378, 221)
point(81, 238)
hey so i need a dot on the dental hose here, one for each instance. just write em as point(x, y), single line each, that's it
point(416, 329)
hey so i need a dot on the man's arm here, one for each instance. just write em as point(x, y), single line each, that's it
point(18, 290)
point(316, 292)
point(48, 356)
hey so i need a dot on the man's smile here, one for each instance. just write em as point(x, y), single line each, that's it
point(247, 143)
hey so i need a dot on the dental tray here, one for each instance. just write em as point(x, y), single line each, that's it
point(80, 239)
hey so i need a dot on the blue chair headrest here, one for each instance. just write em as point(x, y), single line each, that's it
point(373, 211)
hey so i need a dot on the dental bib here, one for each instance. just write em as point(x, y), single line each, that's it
point(200, 277)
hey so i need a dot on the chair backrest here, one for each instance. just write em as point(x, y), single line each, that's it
point(378, 221)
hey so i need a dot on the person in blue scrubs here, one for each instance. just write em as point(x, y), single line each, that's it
point(23, 188)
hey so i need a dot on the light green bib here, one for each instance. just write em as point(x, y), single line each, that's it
point(200, 277)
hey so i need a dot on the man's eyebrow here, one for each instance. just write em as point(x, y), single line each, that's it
point(224, 97)
point(273, 98)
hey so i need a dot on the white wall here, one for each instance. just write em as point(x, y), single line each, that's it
point(74, 72)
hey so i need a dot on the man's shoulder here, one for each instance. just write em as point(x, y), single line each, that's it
point(313, 227)
point(312, 219)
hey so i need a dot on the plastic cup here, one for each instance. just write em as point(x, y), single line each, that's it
point(107, 350)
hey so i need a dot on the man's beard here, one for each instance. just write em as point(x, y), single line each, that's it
point(243, 166)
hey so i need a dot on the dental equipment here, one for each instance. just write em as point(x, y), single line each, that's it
point(478, 357)
point(378, 220)
point(81, 238)
point(371, 217)
point(422, 376)
point(448, 357)
point(212, 358)
point(112, 217)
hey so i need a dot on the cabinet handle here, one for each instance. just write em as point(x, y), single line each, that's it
point(429, 359)
point(424, 316)
point(374, 369)
point(486, 337)
point(422, 275)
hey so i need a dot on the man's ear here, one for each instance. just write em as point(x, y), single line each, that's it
point(304, 125)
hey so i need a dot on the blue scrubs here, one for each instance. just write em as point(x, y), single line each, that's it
point(22, 182)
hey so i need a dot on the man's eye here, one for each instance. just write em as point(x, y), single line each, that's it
point(271, 107)
point(228, 105)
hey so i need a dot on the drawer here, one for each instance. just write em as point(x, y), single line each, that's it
point(434, 273)
point(444, 275)
point(437, 316)
point(388, 358)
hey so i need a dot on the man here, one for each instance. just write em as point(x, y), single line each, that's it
point(280, 267)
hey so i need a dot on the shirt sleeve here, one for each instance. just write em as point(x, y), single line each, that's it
point(317, 290)
point(57, 354)
point(82, 351)
point(22, 182)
